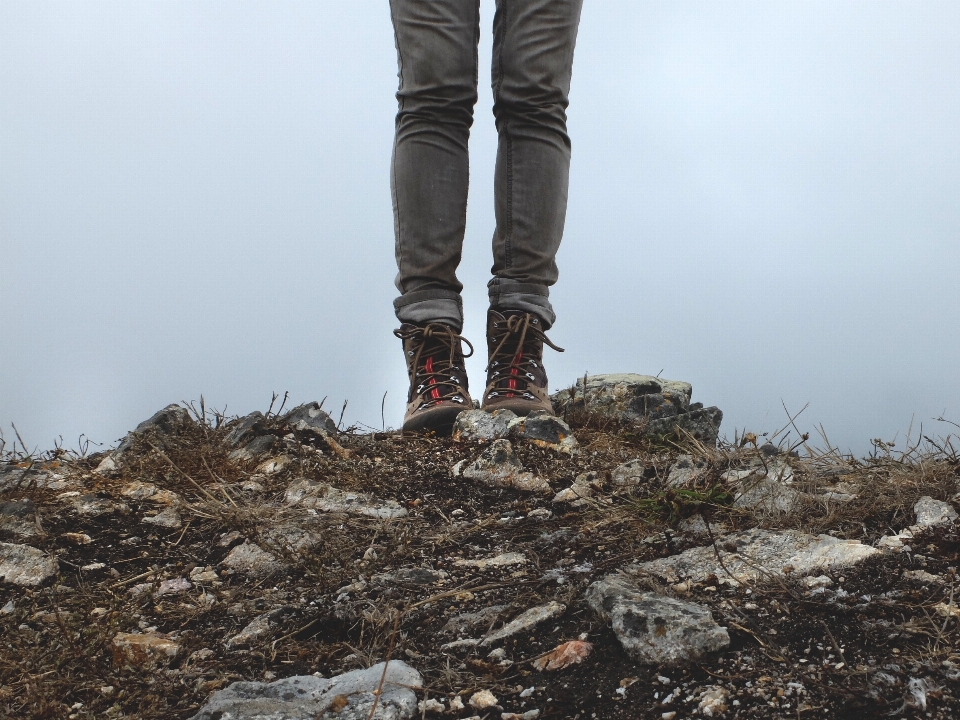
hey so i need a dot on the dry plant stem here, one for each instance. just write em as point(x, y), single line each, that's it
point(386, 664)
point(833, 641)
point(193, 482)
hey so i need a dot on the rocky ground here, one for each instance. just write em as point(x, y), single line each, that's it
point(619, 562)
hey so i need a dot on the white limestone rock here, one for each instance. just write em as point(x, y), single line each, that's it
point(756, 555)
point(306, 697)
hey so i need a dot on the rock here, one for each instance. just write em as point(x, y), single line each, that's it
point(169, 421)
point(25, 566)
point(564, 655)
point(702, 424)
point(346, 697)
point(173, 586)
point(759, 555)
point(140, 491)
point(713, 701)
point(275, 465)
point(764, 489)
point(76, 538)
point(431, 705)
point(410, 576)
point(310, 418)
point(204, 575)
point(250, 559)
point(684, 473)
point(255, 449)
point(326, 498)
point(244, 429)
point(168, 518)
point(497, 466)
point(13, 477)
point(545, 430)
point(625, 397)
point(260, 627)
point(143, 650)
point(934, 513)
point(482, 699)
point(93, 505)
point(109, 466)
point(511, 558)
point(575, 494)
point(630, 474)
point(9, 608)
point(19, 518)
point(473, 425)
point(820, 581)
point(525, 621)
point(466, 622)
point(654, 628)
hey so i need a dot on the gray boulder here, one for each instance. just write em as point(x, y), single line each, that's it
point(626, 397)
point(481, 425)
point(172, 419)
point(545, 430)
point(661, 407)
point(310, 418)
point(702, 424)
point(654, 628)
point(350, 696)
point(244, 429)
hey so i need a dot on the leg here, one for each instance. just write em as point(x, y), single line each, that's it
point(532, 64)
point(437, 54)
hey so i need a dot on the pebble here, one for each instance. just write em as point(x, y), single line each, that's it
point(143, 650)
point(250, 559)
point(526, 621)
point(483, 699)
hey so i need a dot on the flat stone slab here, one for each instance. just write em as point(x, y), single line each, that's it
point(326, 498)
point(26, 566)
point(306, 697)
point(654, 628)
point(755, 555)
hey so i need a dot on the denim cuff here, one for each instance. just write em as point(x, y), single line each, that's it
point(423, 306)
point(513, 295)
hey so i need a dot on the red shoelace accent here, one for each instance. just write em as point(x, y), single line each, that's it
point(512, 383)
point(428, 366)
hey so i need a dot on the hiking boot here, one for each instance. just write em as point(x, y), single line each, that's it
point(516, 379)
point(438, 376)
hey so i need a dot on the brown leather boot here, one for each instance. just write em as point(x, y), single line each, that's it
point(438, 376)
point(516, 378)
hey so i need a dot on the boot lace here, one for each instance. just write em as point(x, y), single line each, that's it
point(437, 376)
point(518, 373)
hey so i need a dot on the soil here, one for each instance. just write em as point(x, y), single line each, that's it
point(878, 649)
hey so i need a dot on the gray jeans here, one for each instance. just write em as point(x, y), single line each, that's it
point(533, 42)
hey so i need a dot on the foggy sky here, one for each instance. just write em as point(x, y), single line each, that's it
point(194, 199)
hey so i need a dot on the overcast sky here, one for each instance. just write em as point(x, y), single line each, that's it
point(194, 199)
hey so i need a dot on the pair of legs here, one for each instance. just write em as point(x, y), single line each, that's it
point(437, 43)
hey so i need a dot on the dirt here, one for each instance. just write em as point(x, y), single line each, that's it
point(880, 648)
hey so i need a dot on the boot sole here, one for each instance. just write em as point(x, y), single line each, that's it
point(438, 419)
